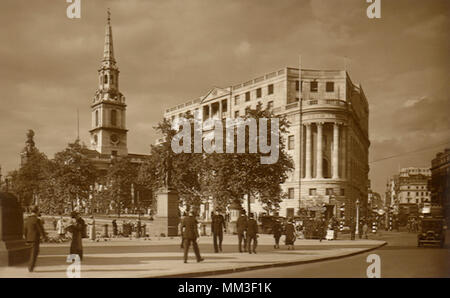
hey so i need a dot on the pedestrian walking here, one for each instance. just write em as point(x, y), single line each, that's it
point(352, 229)
point(76, 228)
point(190, 234)
point(60, 228)
point(217, 226)
point(181, 230)
point(139, 227)
point(55, 223)
point(365, 229)
point(252, 234)
point(33, 232)
point(322, 229)
point(290, 236)
point(277, 230)
point(92, 229)
point(114, 226)
point(241, 226)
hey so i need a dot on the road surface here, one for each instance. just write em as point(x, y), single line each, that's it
point(400, 258)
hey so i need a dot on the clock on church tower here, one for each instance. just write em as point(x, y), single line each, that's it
point(108, 132)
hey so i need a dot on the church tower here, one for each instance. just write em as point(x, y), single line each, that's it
point(108, 132)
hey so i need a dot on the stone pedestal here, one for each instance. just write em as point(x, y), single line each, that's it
point(167, 217)
point(13, 249)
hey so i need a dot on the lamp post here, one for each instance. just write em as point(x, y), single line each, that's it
point(357, 218)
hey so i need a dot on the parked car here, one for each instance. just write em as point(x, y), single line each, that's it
point(431, 232)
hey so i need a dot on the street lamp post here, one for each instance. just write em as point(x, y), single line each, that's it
point(357, 218)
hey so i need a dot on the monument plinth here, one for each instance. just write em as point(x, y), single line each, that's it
point(167, 215)
point(13, 249)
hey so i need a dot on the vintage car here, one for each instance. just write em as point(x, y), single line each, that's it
point(431, 231)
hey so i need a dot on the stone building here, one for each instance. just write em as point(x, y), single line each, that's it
point(413, 186)
point(440, 181)
point(328, 137)
point(408, 191)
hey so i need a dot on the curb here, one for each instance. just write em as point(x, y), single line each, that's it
point(265, 266)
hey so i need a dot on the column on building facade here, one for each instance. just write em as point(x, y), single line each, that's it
point(344, 151)
point(319, 150)
point(308, 152)
point(220, 109)
point(335, 159)
point(210, 111)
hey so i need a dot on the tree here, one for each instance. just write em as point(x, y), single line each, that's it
point(28, 181)
point(239, 174)
point(73, 176)
point(122, 174)
point(225, 176)
point(187, 170)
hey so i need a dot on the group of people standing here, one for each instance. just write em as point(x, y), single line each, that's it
point(247, 232)
point(34, 232)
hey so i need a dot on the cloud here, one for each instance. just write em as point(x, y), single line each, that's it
point(242, 49)
point(169, 52)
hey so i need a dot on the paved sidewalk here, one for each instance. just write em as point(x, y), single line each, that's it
point(162, 257)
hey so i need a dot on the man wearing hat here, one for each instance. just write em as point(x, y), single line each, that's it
point(190, 235)
point(241, 226)
point(252, 234)
point(33, 231)
point(217, 227)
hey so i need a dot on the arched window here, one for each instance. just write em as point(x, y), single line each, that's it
point(105, 79)
point(113, 117)
point(111, 79)
point(96, 118)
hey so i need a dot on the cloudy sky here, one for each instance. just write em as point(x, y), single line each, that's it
point(172, 51)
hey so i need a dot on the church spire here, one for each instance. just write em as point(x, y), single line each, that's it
point(109, 133)
point(108, 52)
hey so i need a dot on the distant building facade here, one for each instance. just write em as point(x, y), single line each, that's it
point(408, 191)
point(413, 186)
point(440, 181)
point(327, 139)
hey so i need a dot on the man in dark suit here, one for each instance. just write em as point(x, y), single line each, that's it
point(241, 226)
point(217, 227)
point(190, 235)
point(277, 231)
point(252, 233)
point(33, 231)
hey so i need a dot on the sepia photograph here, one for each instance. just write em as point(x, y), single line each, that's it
point(224, 145)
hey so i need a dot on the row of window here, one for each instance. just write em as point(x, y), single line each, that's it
point(421, 193)
point(416, 187)
point(313, 192)
point(314, 86)
point(422, 200)
point(113, 118)
point(110, 77)
point(237, 113)
point(270, 90)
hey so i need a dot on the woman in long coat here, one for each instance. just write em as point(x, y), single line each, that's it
point(76, 228)
point(290, 234)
